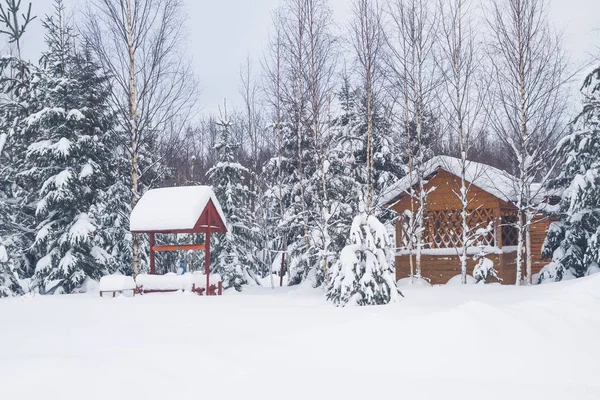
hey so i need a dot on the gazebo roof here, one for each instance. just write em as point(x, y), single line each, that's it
point(185, 209)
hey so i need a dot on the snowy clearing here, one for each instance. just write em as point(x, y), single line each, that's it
point(450, 342)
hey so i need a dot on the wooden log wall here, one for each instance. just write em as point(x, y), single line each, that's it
point(438, 269)
point(539, 231)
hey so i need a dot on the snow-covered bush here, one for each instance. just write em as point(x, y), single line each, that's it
point(484, 270)
point(363, 275)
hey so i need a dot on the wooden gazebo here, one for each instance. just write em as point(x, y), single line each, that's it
point(492, 198)
point(172, 210)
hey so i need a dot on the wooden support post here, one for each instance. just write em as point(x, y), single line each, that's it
point(152, 261)
point(207, 253)
point(207, 261)
point(220, 288)
point(498, 241)
point(497, 228)
point(282, 269)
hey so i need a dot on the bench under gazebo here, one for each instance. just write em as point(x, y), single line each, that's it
point(173, 210)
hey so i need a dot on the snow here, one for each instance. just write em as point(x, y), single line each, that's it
point(44, 262)
point(81, 229)
point(457, 280)
point(173, 208)
point(173, 281)
point(3, 254)
point(492, 180)
point(62, 178)
point(67, 262)
point(444, 342)
point(2, 141)
point(86, 170)
point(416, 282)
point(75, 115)
point(63, 146)
point(116, 282)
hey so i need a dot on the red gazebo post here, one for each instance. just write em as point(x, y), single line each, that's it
point(152, 260)
point(207, 251)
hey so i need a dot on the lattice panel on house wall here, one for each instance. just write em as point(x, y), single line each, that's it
point(482, 218)
point(443, 229)
point(510, 232)
point(406, 232)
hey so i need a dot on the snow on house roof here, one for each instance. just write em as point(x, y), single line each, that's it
point(494, 181)
point(172, 208)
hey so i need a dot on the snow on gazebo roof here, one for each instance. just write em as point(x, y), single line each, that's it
point(492, 180)
point(173, 209)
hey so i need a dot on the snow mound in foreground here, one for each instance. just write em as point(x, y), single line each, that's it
point(457, 280)
point(431, 345)
point(416, 282)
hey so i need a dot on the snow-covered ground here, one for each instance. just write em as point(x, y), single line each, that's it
point(451, 342)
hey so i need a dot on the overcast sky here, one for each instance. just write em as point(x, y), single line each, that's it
point(223, 32)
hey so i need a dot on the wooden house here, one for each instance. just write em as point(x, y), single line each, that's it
point(492, 212)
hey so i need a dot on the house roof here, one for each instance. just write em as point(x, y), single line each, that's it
point(492, 180)
point(173, 209)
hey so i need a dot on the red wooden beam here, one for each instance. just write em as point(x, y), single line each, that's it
point(178, 247)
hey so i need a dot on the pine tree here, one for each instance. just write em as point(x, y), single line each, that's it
point(234, 252)
point(574, 241)
point(66, 165)
point(363, 275)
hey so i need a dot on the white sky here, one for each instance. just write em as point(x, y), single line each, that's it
point(223, 32)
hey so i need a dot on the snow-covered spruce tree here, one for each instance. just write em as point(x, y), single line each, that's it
point(363, 274)
point(234, 253)
point(574, 241)
point(67, 163)
point(347, 164)
point(15, 220)
point(9, 286)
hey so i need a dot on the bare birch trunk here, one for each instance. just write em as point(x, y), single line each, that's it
point(133, 134)
point(528, 100)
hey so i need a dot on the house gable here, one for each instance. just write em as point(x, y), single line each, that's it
point(444, 196)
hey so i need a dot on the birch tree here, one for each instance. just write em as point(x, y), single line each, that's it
point(322, 59)
point(249, 91)
point(527, 102)
point(273, 81)
point(411, 40)
point(461, 102)
point(139, 43)
point(368, 42)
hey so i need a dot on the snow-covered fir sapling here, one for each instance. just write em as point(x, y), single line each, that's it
point(235, 251)
point(484, 269)
point(363, 275)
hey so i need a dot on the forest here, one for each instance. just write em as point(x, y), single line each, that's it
point(329, 119)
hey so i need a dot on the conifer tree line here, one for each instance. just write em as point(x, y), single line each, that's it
point(328, 118)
